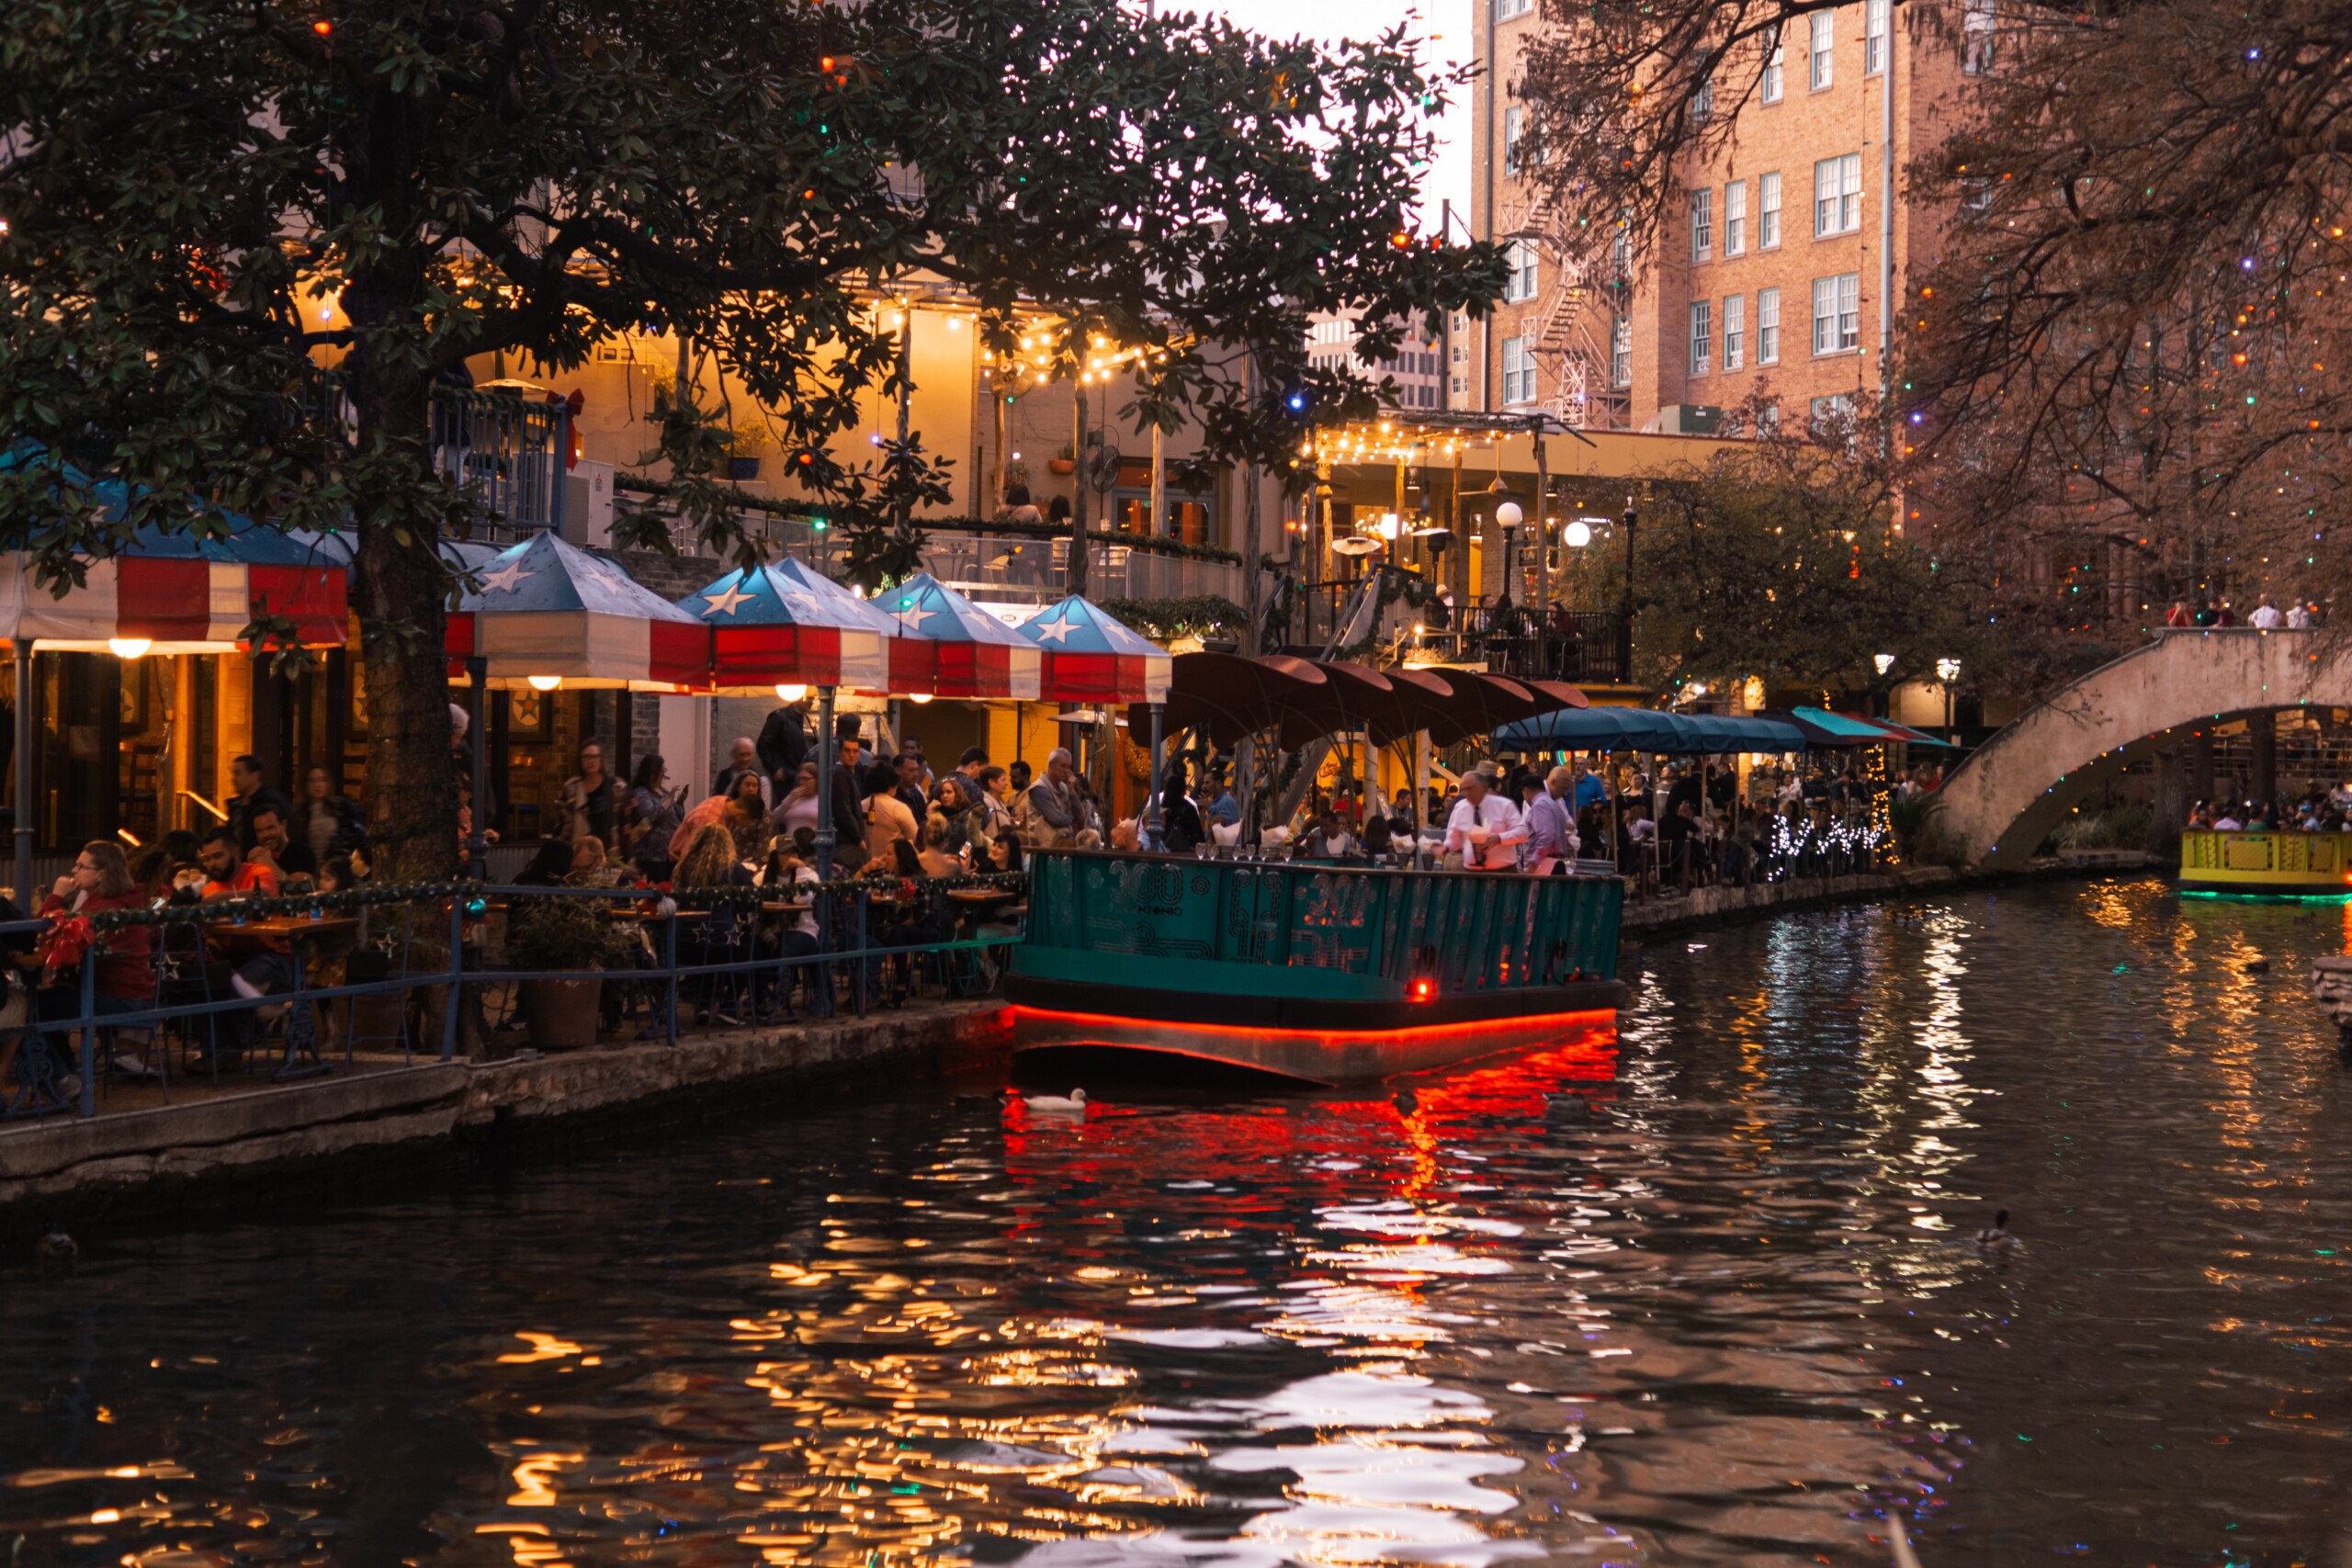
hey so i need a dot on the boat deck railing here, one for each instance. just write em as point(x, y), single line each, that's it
point(1455, 931)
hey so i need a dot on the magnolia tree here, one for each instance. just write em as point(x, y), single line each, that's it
point(208, 201)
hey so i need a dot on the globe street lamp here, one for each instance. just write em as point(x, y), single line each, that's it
point(1509, 516)
point(1947, 672)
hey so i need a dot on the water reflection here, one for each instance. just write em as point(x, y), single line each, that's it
point(1731, 1315)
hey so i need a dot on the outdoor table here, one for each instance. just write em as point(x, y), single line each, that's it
point(302, 1022)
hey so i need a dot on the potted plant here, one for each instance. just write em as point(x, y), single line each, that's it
point(743, 450)
point(562, 933)
point(1064, 461)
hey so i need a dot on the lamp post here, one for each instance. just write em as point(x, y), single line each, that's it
point(1625, 605)
point(1508, 517)
point(1947, 671)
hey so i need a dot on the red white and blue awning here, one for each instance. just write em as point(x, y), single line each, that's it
point(545, 609)
point(949, 647)
point(171, 592)
point(1090, 657)
point(784, 623)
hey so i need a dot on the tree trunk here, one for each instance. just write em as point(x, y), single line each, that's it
point(412, 781)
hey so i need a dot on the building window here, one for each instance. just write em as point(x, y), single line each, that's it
point(1823, 34)
point(1519, 372)
point(1773, 55)
point(1514, 123)
point(1703, 338)
point(1768, 211)
point(1621, 352)
point(1702, 102)
point(1874, 22)
point(1976, 37)
point(1767, 326)
point(1734, 331)
point(1703, 224)
point(1838, 194)
point(1518, 283)
point(1837, 313)
point(1506, 9)
point(1768, 420)
point(1621, 255)
point(1833, 416)
point(1734, 217)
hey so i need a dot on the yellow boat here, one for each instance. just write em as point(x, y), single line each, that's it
point(2268, 862)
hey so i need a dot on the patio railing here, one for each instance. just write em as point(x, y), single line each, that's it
point(714, 959)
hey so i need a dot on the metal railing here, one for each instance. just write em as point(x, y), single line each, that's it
point(509, 450)
point(1009, 566)
point(678, 960)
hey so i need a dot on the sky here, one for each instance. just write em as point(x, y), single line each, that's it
point(1442, 28)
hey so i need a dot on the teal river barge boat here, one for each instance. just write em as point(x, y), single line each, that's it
point(1326, 973)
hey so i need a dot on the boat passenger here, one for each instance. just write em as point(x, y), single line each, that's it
point(1484, 829)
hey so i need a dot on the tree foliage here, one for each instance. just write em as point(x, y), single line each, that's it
point(1780, 561)
point(2116, 376)
point(208, 198)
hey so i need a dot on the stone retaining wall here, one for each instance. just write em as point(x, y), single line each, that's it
point(66, 1158)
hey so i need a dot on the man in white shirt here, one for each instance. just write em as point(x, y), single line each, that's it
point(1551, 827)
point(1481, 808)
point(2266, 616)
point(2299, 615)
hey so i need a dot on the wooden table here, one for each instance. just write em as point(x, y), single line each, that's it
point(301, 1022)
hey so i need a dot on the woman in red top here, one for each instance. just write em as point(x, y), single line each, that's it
point(100, 880)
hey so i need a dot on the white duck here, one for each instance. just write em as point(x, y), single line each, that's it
point(1070, 1104)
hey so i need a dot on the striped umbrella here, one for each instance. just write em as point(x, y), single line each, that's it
point(1090, 657)
point(949, 647)
point(546, 615)
point(784, 623)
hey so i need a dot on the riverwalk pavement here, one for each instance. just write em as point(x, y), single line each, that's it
point(1716, 906)
point(243, 1126)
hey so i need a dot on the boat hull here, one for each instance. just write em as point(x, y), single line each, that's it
point(1315, 1041)
point(1330, 974)
point(2267, 864)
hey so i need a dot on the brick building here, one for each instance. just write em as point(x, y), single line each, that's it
point(1785, 264)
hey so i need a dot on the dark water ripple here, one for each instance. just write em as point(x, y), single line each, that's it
point(1732, 1318)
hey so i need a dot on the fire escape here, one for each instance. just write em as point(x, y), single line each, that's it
point(1571, 325)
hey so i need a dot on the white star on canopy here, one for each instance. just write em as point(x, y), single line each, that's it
point(504, 579)
point(725, 602)
point(802, 600)
point(1057, 631)
point(913, 616)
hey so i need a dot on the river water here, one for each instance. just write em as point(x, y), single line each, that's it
point(1735, 1316)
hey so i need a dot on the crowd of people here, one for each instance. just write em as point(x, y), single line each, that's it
point(2264, 616)
point(2320, 809)
point(265, 848)
point(1687, 824)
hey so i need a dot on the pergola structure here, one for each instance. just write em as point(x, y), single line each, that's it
point(1427, 491)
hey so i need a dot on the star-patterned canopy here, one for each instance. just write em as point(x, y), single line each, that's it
point(785, 624)
point(544, 608)
point(1090, 657)
point(180, 593)
point(949, 647)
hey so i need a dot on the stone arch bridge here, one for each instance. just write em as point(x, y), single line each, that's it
point(1999, 806)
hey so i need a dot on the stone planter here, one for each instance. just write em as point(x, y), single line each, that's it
point(742, 471)
point(1062, 465)
point(562, 1014)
